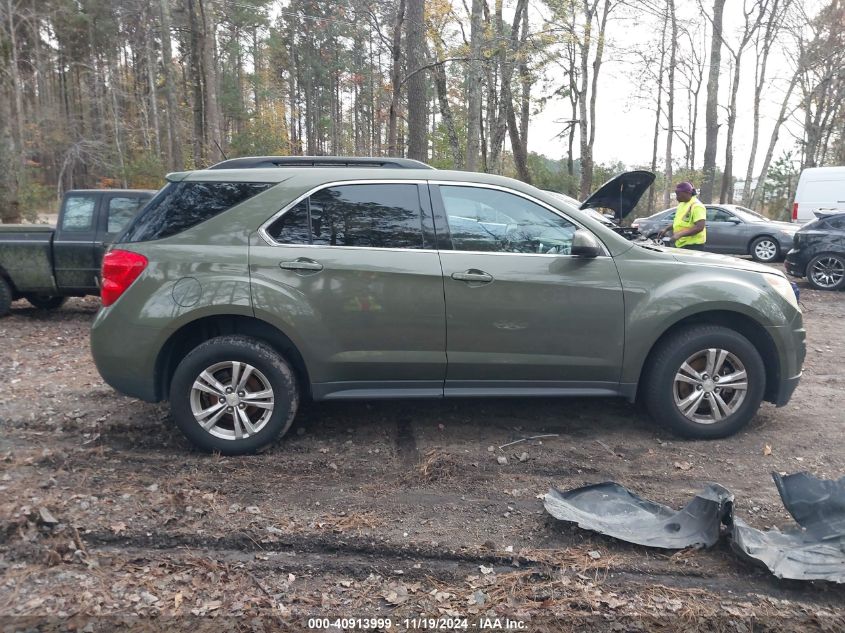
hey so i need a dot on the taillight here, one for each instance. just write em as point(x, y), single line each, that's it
point(120, 269)
point(794, 211)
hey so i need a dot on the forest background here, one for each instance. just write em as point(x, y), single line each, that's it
point(737, 96)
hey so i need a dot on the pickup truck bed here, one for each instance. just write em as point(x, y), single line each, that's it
point(45, 264)
point(28, 256)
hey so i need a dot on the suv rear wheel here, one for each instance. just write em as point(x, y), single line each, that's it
point(826, 272)
point(705, 382)
point(234, 395)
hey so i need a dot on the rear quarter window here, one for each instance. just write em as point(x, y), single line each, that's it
point(182, 205)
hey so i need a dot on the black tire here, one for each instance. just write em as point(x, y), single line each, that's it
point(835, 264)
point(659, 389)
point(45, 302)
point(5, 297)
point(757, 250)
point(271, 368)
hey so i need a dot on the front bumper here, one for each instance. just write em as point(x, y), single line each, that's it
point(791, 343)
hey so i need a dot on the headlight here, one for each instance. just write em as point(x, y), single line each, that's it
point(781, 285)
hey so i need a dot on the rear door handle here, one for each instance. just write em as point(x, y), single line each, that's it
point(473, 275)
point(301, 264)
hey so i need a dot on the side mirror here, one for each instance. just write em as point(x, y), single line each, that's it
point(585, 244)
point(734, 220)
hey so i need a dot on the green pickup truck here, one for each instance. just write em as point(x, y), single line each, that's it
point(46, 265)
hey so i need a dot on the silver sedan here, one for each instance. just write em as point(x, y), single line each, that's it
point(733, 230)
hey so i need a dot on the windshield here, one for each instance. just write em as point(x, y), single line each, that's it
point(562, 196)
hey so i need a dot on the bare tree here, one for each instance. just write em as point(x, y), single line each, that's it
point(474, 77)
point(752, 19)
point(764, 43)
point(670, 101)
point(417, 103)
point(711, 114)
point(589, 82)
point(395, 79)
point(174, 137)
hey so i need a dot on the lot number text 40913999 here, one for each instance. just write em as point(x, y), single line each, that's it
point(431, 624)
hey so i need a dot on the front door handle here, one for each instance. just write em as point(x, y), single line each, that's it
point(301, 264)
point(473, 275)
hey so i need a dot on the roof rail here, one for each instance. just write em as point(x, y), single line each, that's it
point(252, 162)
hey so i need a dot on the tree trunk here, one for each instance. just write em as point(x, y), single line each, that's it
point(726, 193)
point(17, 85)
point(212, 106)
point(174, 152)
point(474, 87)
point(10, 162)
point(395, 80)
point(670, 105)
point(439, 71)
point(583, 124)
point(658, 109)
point(711, 114)
point(594, 90)
point(767, 161)
point(772, 29)
point(417, 103)
point(525, 83)
point(195, 61)
point(151, 86)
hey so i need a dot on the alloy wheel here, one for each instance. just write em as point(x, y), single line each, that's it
point(828, 272)
point(765, 250)
point(231, 400)
point(710, 386)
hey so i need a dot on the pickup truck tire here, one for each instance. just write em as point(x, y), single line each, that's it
point(233, 395)
point(44, 302)
point(704, 382)
point(5, 297)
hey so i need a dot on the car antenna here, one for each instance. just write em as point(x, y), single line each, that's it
point(222, 153)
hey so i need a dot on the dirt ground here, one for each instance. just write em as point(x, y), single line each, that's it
point(109, 520)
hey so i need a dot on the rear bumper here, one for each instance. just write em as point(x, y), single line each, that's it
point(130, 374)
point(794, 264)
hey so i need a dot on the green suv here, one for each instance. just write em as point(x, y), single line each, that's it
point(236, 293)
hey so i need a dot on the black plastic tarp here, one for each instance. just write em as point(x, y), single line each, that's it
point(813, 551)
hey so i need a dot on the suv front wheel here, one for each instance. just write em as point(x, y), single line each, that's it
point(233, 395)
point(705, 382)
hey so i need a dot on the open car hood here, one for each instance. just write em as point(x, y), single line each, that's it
point(621, 193)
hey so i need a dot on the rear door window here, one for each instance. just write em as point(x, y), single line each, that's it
point(368, 215)
point(121, 210)
point(182, 205)
point(78, 216)
point(719, 215)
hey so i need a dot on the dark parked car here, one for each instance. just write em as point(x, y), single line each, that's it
point(245, 291)
point(46, 264)
point(818, 253)
point(733, 230)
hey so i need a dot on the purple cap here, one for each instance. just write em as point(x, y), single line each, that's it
point(685, 187)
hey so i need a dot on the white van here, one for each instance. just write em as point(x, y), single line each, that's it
point(820, 190)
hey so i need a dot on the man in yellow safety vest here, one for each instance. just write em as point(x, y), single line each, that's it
point(688, 228)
